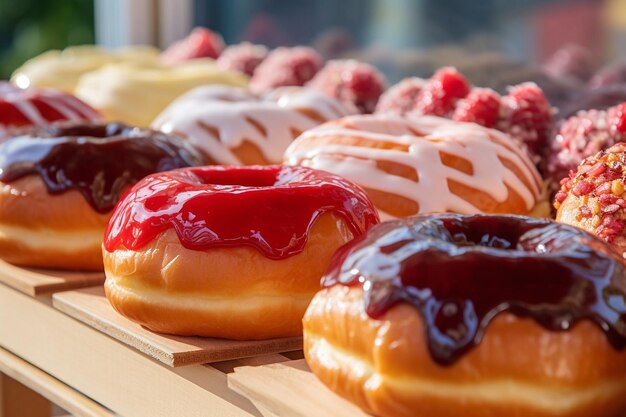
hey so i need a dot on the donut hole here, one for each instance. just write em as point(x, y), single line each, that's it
point(487, 231)
point(246, 177)
point(100, 131)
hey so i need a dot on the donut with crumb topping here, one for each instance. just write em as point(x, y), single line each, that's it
point(593, 198)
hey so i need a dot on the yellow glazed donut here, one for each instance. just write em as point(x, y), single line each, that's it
point(136, 93)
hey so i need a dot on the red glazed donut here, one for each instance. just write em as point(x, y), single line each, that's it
point(39, 107)
point(474, 316)
point(232, 252)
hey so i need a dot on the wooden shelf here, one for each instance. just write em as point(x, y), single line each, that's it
point(91, 307)
point(36, 282)
point(50, 388)
point(289, 389)
point(128, 382)
point(74, 349)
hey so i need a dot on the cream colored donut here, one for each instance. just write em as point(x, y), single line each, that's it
point(424, 165)
point(235, 127)
point(135, 93)
point(63, 69)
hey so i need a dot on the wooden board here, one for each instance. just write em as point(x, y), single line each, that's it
point(289, 389)
point(36, 282)
point(120, 378)
point(48, 387)
point(90, 306)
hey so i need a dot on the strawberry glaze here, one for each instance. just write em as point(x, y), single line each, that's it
point(270, 208)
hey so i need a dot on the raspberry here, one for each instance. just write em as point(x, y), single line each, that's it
point(350, 81)
point(285, 67)
point(201, 43)
point(244, 57)
point(482, 106)
point(616, 119)
point(400, 98)
point(440, 94)
point(528, 116)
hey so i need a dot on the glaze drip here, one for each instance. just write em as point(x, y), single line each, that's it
point(459, 272)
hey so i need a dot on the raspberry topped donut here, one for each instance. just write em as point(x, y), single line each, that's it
point(38, 107)
point(234, 127)
point(356, 83)
point(60, 183)
point(231, 252)
point(524, 113)
point(483, 315)
point(285, 67)
point(593, 198)
point(424, 165)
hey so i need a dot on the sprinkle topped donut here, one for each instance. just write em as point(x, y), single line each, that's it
point(423, 165)
point(234, 127)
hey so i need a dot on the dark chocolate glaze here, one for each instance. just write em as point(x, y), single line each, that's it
point(99, 160)
point(459, 272)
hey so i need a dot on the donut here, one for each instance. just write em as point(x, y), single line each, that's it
point(200, 43)
point(524, 113)
point(474, 316)
point(63, 69)
point(229, 252)
point(285, 67)
point(38, 107)
point(58, 186)
point(353, 82)
point(582, 136)
point(592, 197)
point(135, 93)
point(243, 57)
point(424, 164)
point(234, 127)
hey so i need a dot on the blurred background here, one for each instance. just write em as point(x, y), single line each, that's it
point(401, 37)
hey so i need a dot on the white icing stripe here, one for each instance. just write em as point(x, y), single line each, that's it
point(59, 105)
point(28, 109)
point(238, 116)
point(68, 106)
point(73, 105)
point(464, 140)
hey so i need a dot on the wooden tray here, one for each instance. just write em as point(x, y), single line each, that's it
point(90, 306)
point(36, 282)
point(289, 389)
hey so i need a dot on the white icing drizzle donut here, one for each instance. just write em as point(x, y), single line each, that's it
point(35, 106)
point(422, 141)
point(219, 119)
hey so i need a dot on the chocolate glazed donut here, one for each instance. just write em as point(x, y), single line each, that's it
point(473, 315)
point(60, 183)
